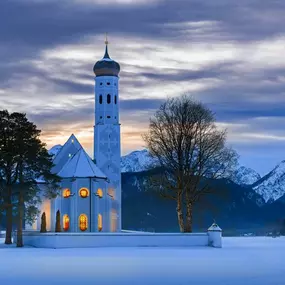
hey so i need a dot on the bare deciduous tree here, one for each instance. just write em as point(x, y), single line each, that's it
point(191, 151)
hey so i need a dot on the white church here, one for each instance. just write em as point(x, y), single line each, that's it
point(90, 194)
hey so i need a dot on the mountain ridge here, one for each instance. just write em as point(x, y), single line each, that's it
point(270, 186)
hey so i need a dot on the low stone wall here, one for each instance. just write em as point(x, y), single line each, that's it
point(124, 239)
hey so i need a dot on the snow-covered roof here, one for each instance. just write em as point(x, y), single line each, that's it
point(71, 147)
point(80, 165)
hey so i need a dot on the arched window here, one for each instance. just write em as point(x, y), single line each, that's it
point(100, 99)
point(66, 193)
point(65, 223)
point(83, 222)
point(115, 99)
point(99, 193)
point(108, 98)
point(100, 223)
point(84, 192)
point(113, 220)
point(111, 193)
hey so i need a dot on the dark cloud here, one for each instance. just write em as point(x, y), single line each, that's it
point(29, 28)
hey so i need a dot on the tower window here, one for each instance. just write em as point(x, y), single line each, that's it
point(108, 117)
point(84, 192)
point(101, 117)
point(83, 222)
point(101, 83)
point(108, 83)
point(100, 99)
point(65, 223)
point(115, 99)
point(108, 98)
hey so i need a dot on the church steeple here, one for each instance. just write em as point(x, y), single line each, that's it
point(106, 66)
point(107, 137)
point(106, 49)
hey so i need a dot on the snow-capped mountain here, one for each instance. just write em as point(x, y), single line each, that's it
point(54, 150)
point(272, 185)
point(136, 161)
point(245, 176)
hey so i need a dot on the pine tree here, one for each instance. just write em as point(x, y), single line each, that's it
point(57, 224)
point(23, 160)
point(43, 223)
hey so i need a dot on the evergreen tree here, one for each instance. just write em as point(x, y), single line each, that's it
point(23, 160)
point(57, 224)
point(43, 223)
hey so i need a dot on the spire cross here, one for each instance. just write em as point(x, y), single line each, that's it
point(106, 38)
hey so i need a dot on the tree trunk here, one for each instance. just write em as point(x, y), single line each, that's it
point(20, 220)
point(9, 221)
point(180, 213)
point(189, 217)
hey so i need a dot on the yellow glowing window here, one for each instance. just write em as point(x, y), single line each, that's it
point(111, 193)
point(99, 193)
point(84, 192)
point(65, 223)
point(66, 193)
point(113, 220)
point(83, 222)
point(100, 223)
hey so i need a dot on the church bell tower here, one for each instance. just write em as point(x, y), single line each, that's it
point(107, 137)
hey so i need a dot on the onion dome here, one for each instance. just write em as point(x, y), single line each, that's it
point(106, 66)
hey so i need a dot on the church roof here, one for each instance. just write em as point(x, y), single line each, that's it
point(80, 165)
point(106, 66)
point(71, 147)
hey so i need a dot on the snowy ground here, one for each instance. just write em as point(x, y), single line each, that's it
point(242, 261)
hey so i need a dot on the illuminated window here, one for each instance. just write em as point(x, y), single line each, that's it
point(113, 220)
point(100, 223)
point(108, 98)
point(99, 193)
point(84, 192)
point(66, 193)
point(65, 223)
point(111, 193)
point(83, 222)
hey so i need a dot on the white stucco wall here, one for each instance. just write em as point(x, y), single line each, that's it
point(89, 240)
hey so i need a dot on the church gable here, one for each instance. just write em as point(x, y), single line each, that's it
point(71, 147)
point(80, 165)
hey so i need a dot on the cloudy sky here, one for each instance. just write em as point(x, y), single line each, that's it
point(227, 54)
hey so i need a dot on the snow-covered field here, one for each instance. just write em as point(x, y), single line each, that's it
point(242, 261)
